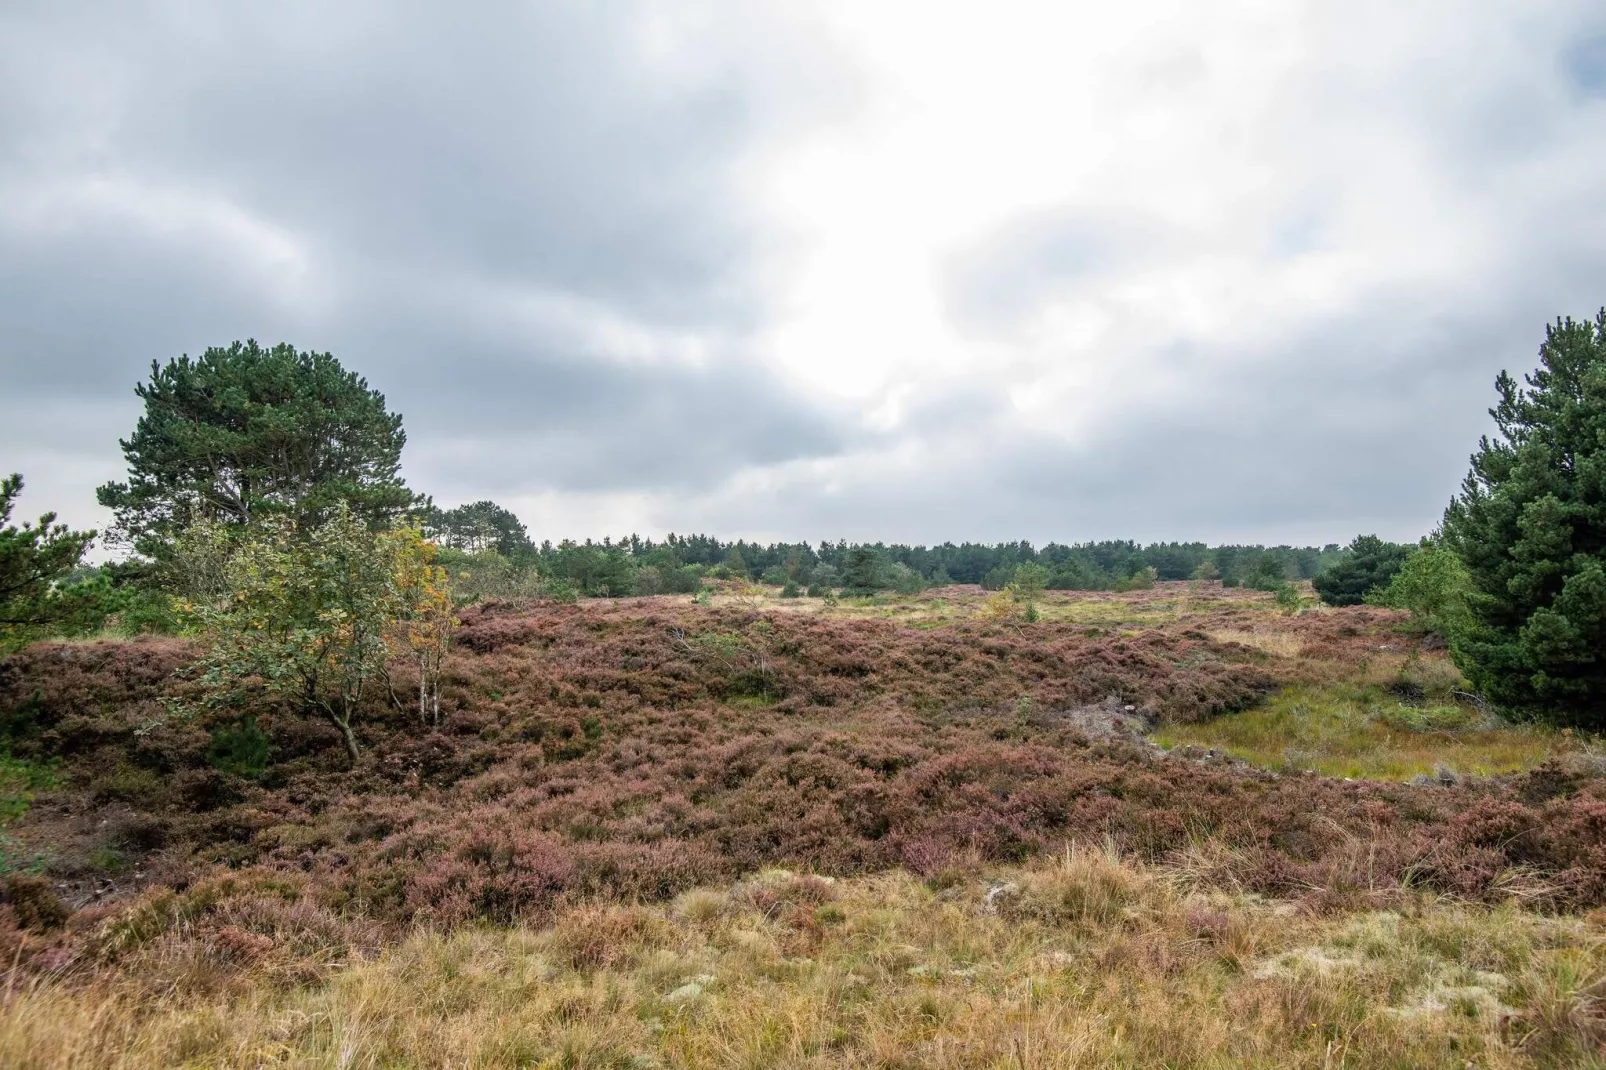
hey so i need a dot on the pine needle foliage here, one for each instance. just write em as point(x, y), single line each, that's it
point(1530, 527)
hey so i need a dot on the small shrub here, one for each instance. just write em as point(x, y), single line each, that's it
point(1433, 586)
point(1370, 563)
point(601, 937)
point(559, 590)
point(35, 903)
point(1428, 677)
point(998, 606)
point(240, 748)
point(1288, 599)
point(126, 783)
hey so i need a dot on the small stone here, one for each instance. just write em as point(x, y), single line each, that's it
point(994, 894)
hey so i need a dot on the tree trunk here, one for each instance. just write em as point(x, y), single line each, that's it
point(423, 693)
point(343, 724)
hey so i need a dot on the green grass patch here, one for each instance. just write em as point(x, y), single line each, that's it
point(19, 779)
point(1365, 731)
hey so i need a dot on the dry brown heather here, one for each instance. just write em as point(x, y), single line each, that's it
point(573, 871)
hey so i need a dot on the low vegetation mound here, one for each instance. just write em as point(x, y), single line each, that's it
point(630, 751)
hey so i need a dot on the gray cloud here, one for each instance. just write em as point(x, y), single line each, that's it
point(1009, 273)
point(533, 226)
point(399, 187)
point(1360, 423)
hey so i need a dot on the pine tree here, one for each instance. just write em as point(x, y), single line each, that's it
point(35, 562)
point(243, 432)
point(1371, 564)
point(1530, 527)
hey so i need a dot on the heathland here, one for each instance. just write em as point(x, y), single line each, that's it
point(1180, 826)
point(320, 775)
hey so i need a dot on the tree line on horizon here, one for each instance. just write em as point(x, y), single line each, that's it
point(490, 536)
point(263, 455)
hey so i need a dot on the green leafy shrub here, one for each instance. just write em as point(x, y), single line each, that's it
point(559, 590)
point(482, 574)
point(996, 579)
point(1433, 586)
point(306, 618)
point(1288, 599)
point(903, 579)
point(1030, 580)
point(1140, 580)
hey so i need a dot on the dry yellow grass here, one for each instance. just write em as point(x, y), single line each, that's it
point(1084, 962)
point(1277, 644)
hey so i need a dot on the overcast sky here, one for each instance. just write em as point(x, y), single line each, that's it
point(905, 271)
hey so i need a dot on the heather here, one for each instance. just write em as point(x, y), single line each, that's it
point(633, 758)
point(631, 750)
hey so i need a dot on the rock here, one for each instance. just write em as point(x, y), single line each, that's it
point(994, 894)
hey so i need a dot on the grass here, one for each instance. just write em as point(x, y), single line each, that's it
point(1277, 644)
point(1362, 730)
point(19, 780)
point(1085, 960)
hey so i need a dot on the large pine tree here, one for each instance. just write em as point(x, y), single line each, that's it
point(244, 431)
point(1530, 526)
